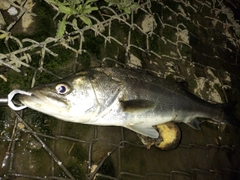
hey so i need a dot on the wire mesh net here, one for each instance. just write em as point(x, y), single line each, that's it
point(193, 41)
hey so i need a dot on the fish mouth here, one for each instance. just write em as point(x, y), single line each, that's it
point(41, 100)
point(29, 100)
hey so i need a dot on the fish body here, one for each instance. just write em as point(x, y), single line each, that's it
point(120, 97)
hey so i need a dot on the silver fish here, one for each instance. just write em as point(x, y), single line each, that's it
point(120, 97)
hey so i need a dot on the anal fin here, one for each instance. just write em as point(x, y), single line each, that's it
point(145, 131)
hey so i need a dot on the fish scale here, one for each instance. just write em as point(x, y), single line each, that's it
point(121, 97)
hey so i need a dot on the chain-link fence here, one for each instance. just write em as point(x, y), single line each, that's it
point(193, 41)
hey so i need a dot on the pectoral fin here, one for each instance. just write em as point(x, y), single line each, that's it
point(137, 105)
point(145, 131)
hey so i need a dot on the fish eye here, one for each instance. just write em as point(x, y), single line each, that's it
point(62, 88)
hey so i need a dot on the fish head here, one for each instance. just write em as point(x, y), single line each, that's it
point(70, 99)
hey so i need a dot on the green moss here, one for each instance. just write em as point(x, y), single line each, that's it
point(60, 64)
point(45, 26)
point(93, 43)
point(84, 60)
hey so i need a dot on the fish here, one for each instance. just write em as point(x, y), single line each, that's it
point(113, 96)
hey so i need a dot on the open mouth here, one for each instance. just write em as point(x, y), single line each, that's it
point(23, 99)
point(40, 99)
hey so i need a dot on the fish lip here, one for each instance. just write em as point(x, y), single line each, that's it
point(23, 98)
point(39, 98)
